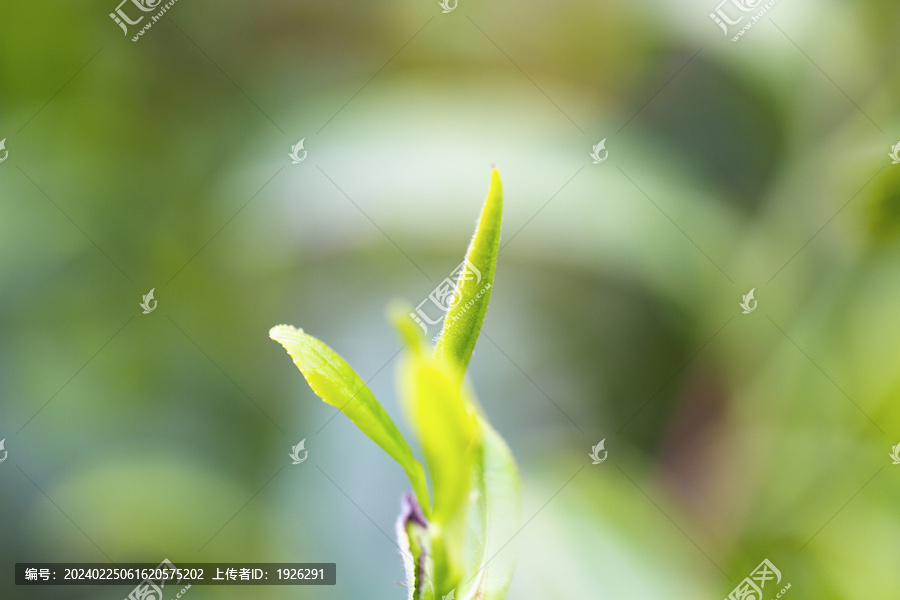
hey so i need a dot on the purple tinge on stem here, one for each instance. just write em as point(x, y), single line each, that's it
point(411, 511)
point(411, 514)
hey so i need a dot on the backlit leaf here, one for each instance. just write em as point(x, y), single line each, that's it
point(335, 382)
point(462, 323)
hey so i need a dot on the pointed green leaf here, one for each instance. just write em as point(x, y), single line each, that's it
point(335, 382)
point(462, 323)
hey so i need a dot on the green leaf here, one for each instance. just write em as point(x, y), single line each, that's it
point(446, 424)
point(462, 323)
point(335, 382)
point(473, 520)
point(494, 521)
point(445, 427)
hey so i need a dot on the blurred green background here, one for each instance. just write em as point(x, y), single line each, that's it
point(164, 164)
